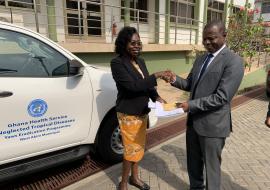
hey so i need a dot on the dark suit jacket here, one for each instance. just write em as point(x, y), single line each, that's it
point(210, 109)
point(133, 91)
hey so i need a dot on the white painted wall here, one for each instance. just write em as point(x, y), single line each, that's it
point(265, 16)
point(6, 17)
point(146, 30)
point(26, 17)
point(239, 2)
point(143, 31)
point(242, 2)
point(184, 36)
point(162, 21)
point(112, 15)
point(29, 18)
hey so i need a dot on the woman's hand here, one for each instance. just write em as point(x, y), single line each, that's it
point(167, 75)
point(161, 100)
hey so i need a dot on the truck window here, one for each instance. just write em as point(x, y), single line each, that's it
point(24, 56)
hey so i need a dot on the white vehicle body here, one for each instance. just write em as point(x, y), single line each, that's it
point(44, 108)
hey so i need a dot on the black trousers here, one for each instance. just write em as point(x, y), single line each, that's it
point(203, 152)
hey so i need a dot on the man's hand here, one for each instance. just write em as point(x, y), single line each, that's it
point(184, 106)
point(267, 121)
point(169, 76)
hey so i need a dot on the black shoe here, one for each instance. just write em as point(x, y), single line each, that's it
point(119, 186)
point(141, 187)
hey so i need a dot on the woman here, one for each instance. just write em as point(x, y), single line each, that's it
point(135, 86)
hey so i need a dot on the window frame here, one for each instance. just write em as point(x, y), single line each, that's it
point(217, 11)
point(84, 25)
point(264, 9)
point(134, 9)
point(22, 8)
point(235, 9)
point(188, 20)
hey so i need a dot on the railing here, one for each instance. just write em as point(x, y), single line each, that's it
point(98, 22)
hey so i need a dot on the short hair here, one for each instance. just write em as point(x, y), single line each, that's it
point(219, 23)
point(123, 38)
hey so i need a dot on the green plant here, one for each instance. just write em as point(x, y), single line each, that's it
point(244, 36)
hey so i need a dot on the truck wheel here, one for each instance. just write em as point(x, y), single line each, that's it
point(109, 144)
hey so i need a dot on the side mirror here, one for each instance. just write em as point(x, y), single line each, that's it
point(75, 68)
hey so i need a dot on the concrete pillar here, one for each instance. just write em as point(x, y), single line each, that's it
point(167, 22)
point(51, 20)
point(205, 11)
point(245, 13)
point(127, 13)
point(226, 12)
point(231, 10)
point(162, 21)
point(199, 16)
point(157, 19)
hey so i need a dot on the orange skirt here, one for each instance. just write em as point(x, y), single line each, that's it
point(133, 131)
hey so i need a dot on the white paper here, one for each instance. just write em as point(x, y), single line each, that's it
point(159, 111)
point(151, 104)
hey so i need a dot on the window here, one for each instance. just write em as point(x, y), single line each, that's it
point(2, 2)
point(265, 7)
point(25, 56)
point(183, 10)
point(235, 10)
point(138, 5)
point(19, 3)
point(90, 18)
point(215, 11)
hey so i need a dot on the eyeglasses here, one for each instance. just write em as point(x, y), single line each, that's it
point(134, 43)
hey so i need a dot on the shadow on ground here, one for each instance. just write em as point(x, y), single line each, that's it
point(159, 167)
point(226, 181)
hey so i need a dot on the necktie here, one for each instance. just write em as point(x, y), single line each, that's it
point(205, 64)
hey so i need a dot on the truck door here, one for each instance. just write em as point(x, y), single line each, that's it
point(42, 107)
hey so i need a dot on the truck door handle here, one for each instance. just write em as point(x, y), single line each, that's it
point(4, 94)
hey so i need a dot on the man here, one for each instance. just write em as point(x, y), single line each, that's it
point(267, 121)
point(212, 82)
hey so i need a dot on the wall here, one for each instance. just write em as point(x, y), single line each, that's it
point(242, 2)
point(155, 61)
point(265, 16)
point(183, 36)
point(26, 17)
point(239, 2)
point(158, 61)
point(111, 15)
point(147, 30)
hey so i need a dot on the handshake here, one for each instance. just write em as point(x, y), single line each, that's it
point(167, 76)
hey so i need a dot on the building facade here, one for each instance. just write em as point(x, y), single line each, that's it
point(263, 7)
point(91, 26)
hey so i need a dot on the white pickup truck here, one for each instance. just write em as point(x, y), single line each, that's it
point(54, 107)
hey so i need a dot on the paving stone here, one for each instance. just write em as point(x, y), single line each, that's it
point(245, 158)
